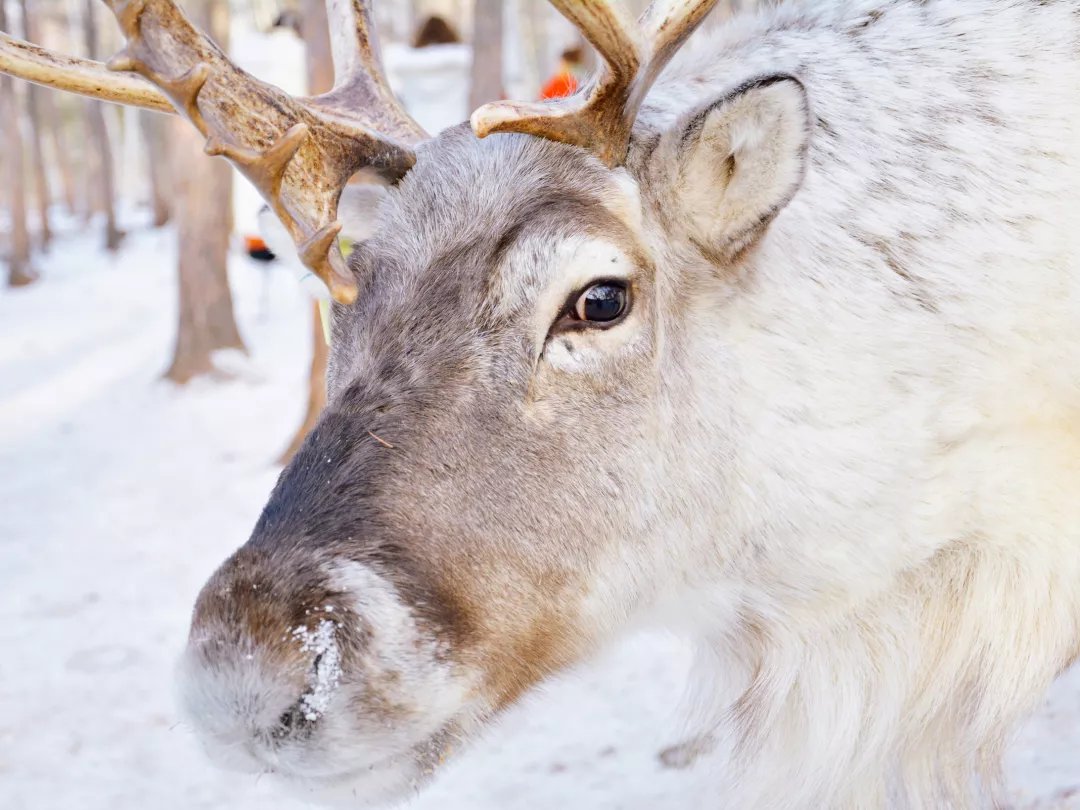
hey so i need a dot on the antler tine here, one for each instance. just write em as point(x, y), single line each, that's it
point(27, 61)
point(361, 83)
point(601, 117)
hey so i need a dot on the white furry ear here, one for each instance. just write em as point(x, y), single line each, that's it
point(740, 161)
point(358, 210)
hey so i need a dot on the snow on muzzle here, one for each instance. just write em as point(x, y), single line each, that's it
point(319, 672)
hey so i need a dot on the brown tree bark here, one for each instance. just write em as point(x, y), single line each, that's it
point(42, 195)
point(37, 153)
point(203, 197)
point(20, 272)
point(90, 163)
point(487, 65)
point(155, 132)
point(320, 74)
point(61, 116)
point(105, 181)
point(315, 30)
point(56, 127)
point(316, 384)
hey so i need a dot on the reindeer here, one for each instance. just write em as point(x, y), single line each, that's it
point(773, 345)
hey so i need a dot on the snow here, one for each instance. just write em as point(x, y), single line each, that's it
point(119, 495)
point(321, 645)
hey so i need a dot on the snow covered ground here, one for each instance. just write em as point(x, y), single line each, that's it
point(120, 493)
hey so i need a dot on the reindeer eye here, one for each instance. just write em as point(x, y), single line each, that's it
point(603, 302)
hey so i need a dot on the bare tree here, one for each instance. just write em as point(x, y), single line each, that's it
point(34, 95)
point(203, 197)
point(155, 132)
point(104, 182)
point(19, 269)
point(316, 400)
point(315, 29)
point(487, 65)
point(60, 125)
point(320, 75)
point(56, 127)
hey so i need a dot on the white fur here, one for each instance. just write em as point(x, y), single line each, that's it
point(895, 562)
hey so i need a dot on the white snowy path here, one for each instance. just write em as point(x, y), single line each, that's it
point(119, 494)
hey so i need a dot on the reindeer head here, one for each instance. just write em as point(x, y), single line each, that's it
point(518, 457)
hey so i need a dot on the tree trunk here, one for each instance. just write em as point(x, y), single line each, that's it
point(19, 270)
point(203, 195)
point(316, 384)
point(155, 132)
point(315, 30)
point(536, 39)
point(90, 163)
point(487, 65)
point(320, 78)
point(37, 152)
point(60, 113)
point(55, 125)
point(105, 181)
point(37, 141)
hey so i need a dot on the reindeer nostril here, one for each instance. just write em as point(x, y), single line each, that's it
point(285, 722)
point(290, 722)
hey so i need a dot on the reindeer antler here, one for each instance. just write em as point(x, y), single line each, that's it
point(299, 153)
point(33, 63)
point(601, 117)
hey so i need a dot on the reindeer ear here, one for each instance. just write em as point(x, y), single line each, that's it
point(358, 210)
point(358, 213)
point(740, 161)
